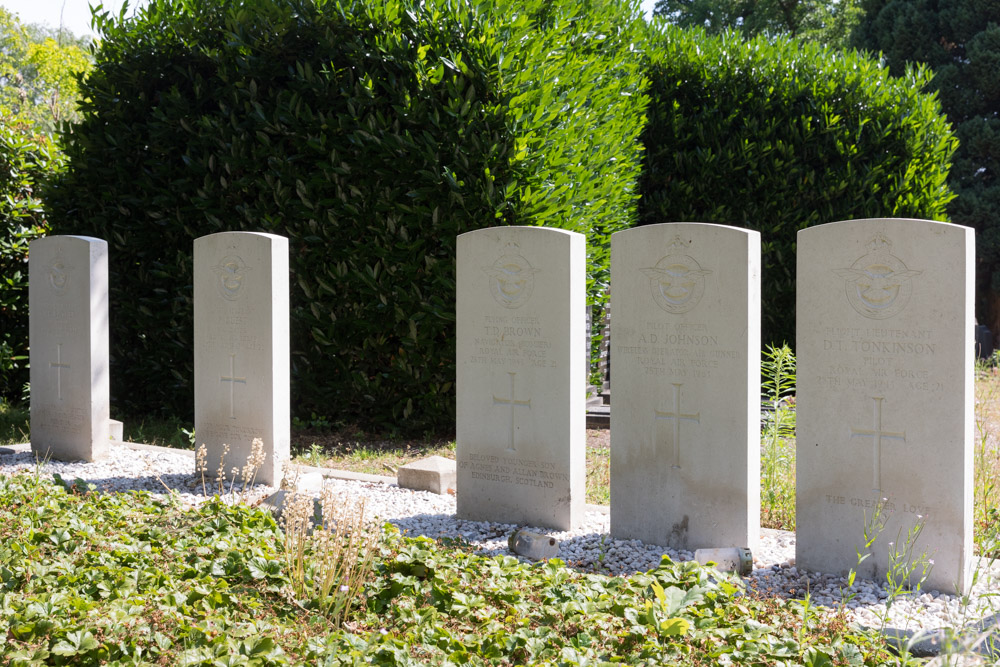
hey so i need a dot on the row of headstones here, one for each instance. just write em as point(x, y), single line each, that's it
point(884, 388)
point(883, 363)
point(241, 349)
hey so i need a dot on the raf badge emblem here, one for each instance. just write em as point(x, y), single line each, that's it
point(677, 281)
point(512, 279)
point(231, 271)
point(58, 275)
point(878, 285)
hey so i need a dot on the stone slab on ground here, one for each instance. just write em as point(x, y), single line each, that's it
point(310, 482)
point(599, 416)
point(434, 473)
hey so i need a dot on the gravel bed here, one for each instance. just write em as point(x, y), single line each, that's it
point(589, 547)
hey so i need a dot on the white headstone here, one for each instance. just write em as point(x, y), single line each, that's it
point(68, 298)
point(885, 397)
point(685, 423)
point(521, 406)
point(241, 350)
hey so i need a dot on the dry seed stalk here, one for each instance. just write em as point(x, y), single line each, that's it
point(201, 465)
point(341, 550)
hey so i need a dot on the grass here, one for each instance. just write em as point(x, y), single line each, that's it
point(598, 474)
point(14, 424)
point(373, 456)
point(163, 432)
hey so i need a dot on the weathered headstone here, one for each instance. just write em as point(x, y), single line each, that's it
point(241, 350)
point(68, 329)
point(885, 398)
point(685, 424)
point(520, 363)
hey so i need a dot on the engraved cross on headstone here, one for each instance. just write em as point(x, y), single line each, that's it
point(58, 365)
point(232, 379)
point(677, 417)
point(513, 404)
point(877, 434)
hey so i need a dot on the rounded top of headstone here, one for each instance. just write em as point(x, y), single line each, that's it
point(237, 237)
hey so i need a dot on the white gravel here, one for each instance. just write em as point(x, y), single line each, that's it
point(589, 547)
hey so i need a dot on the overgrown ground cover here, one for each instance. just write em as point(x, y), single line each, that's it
point(126, 579)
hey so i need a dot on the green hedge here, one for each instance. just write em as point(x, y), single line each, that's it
point(778, 135)
point(371, 133)
point(27, 159)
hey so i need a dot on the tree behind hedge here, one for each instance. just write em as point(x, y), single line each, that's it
point(37, 92)
point(825, 21)
point(776, 136)
point(27, 158)
point(39, 69)
point(371, 133)
point(960, 41)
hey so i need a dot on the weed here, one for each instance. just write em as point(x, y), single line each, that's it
point(315, 455)
point(201, 465)
point(247, 474)
point(220, 475)
point(253, 465)
point(331, 563)
point(777, 438)
point(906, 570)
point(316, 422)
point(602, 549)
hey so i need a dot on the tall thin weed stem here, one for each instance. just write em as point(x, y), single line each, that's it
point(248, 473)
point(906, 569)
point(777, 434)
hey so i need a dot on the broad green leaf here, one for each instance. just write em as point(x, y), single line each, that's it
point(674, 627)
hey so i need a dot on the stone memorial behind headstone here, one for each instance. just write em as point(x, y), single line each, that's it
point(685, 423)
point(885, 398)
point(604, 365)
point(520, 376)
point(241, 350)
point(984, 342)
point(68, 329)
